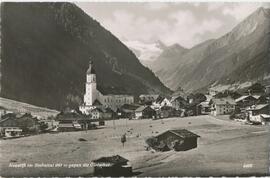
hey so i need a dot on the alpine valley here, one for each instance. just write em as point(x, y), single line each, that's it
point(240, 56)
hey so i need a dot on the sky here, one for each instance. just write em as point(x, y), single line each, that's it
point(184, 23)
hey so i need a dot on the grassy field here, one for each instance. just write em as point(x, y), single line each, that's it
point(225, 148)
point(20, 107)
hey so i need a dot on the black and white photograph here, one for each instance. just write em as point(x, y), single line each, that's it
point(134, 89)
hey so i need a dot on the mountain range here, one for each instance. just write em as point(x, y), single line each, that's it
point(241, 55)
point(45, 51)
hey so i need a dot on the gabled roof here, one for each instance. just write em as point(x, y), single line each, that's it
point(244, 97)
point(68, 115)
point(179, 98)
point(8, 115)
point(223, 101)
point(107, 110)
point(160, 99)
point(130, 106)
point(112, 159)
point(114, 90)
point(2, 108)
point(66, 125)
point(256, 96)
point(149, 96)
point(266, 116)
point(5, 119)
point(204, 103)
point(141, 108)
point(97, 103)
point(257, 107)
point(166, 108)
point(183, 133)
point(96, 109)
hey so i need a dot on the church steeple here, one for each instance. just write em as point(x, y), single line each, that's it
point(91, 73)
point(91, 69)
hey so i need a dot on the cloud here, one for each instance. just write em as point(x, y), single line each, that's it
point(179, 27)
point(215, 6)
point(187, 28)
point(156, 6)
point(241, 10)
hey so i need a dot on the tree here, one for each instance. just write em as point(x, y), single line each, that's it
point(43, 126)
point(73, 102)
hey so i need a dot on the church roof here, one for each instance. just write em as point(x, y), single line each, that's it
point(112, 90)
point(96, 103)
point(91, 69)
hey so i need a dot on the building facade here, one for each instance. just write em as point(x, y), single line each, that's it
point(93, 95)
point(221, 106)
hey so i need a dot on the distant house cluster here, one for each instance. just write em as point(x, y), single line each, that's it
point(250, 105)
point(18, 124)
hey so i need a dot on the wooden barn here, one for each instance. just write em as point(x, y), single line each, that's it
point(179, 140)
point(145, 112)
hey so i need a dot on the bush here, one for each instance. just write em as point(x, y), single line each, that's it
point(152, 142)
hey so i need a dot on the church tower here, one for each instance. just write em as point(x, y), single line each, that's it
point(90, 86)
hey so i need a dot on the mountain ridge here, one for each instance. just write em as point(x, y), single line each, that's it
point(216, 60)
point(56, 53)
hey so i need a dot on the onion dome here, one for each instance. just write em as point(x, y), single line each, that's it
point(91, 69)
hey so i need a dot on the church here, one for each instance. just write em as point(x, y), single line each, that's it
point(93, 98)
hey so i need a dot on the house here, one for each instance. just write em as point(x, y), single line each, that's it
point(258, 113)
point(145, 112)
point(193, 109)
point(205, 107)
point(166, 111)
point(245, 101)
point(108, 113)
point(256, 89)
point(178, 102)
point(66, 127)
point(220, 106)
point(9, 126)
point(113, 166)
point(3, 111)
point(213, 91)
point(13, 132)
point(96, 113)
point(178, 139)
point(161, 101)
point(228, 93)
point(128, 110)
point(265, 119)
point(267, 89)
point(68, 115)
point(70, 121)
point(28, 123)
point(262, 99)
point(13, 124)
point(147, 99)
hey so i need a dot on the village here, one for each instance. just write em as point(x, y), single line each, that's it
point(249, 106)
